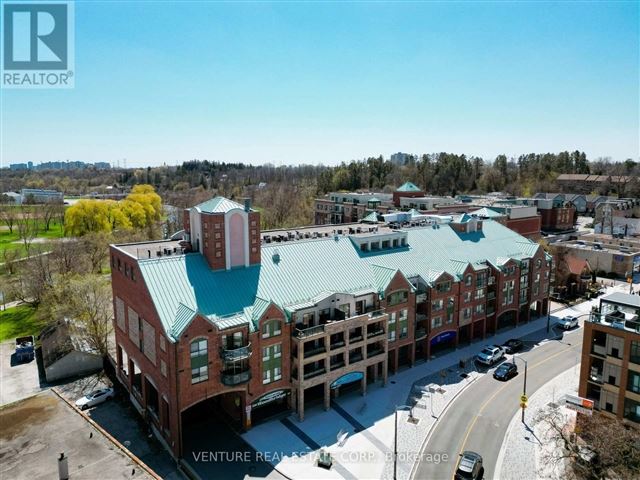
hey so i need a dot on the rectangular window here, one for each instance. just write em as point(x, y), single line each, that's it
point(443, 287)
point(467, 297)
point(266, 376)
point(437, 305)
point(468, 280)
point(199, 361)
point(266, 353)
point(479, 293)
point(633, 383)
point(436, 322)
point(277, 374)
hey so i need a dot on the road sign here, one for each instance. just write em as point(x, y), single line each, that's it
point(523, 404)
point(579, 404)
point(523, 398)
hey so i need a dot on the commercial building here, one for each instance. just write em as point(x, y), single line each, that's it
point(400, 158)
point(522, 219)
point(585, 183)
point(610, 368)
point(38, 195)
point(618, 256)
point(223, 322)
point(349, 207)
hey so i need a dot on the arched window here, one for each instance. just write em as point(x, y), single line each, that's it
point(199, 360)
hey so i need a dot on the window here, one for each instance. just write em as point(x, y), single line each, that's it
point(479, 309)
point(479, 293)
point(443, 287)
point(437, 305)
point(163, 368)
point(271, 363)
point(163, 343)
point(403, 315)
point(539, 263)
point(633, 383)
point(271, 329)
point(398, 297)
point(199, 360)
point(635, 352)
point(468, 280)
point(467, 297)
point(436, 322)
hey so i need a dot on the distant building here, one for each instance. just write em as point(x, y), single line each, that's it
point(37, 195)
point(18, 166)
point(65, 354)
point(14, 198)
point(610, 367)
point(584, 183)
point(350, 207)
point(407, 190)
point(102, 165)
point(400, 158)
point(520, 218)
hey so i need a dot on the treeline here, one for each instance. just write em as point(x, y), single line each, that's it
point(285, 193)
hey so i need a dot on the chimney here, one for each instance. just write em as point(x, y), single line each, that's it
point(247, 205)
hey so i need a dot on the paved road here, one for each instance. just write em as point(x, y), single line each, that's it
point(478, 420)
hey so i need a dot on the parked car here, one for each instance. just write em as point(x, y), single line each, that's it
point(94, 398)
point(512, 345)
point(469, 466)
point(505, 371)
point(568, 322)
point(24, 349)
point(490, 355)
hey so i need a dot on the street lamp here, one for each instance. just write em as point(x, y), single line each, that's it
point(395, 436)
point(524, 387)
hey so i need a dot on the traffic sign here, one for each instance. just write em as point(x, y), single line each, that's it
point(523, 398)
point(523, 404)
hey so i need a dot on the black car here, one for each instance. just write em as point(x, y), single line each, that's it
point(469, 466)
point(512, 345)
point(505, 371)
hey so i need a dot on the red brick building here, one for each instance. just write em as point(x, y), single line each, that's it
point(222, 323)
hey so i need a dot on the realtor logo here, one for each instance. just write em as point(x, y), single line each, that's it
point(37, 49)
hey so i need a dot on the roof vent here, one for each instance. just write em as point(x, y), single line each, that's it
point(276, 256)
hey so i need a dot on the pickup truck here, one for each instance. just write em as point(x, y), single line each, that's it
point(25, 349)
point(490, 354)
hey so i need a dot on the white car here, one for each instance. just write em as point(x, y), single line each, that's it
point(490, 354)
point(94, 398)
point(568, 322)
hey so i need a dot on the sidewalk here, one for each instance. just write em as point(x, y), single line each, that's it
point(358, 430)
point(523, 449)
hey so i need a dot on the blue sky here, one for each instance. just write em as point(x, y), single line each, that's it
point(315, 82)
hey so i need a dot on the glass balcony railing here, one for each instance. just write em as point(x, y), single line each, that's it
point(314, 373)
point(232, 378)
point(308, 332)
point(235, 354)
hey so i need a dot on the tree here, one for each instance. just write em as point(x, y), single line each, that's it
point(8, 216)
point(50, 211)
point(96, 249)
point(27, 227)
point(598, 448)
point(34, 277)
point(87, 216)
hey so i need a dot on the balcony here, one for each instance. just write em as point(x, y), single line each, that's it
point(420, 317)
point(235, 354)
point(231, 378)
point(375, 314)
point(375, 351)
point(596, 377)
point(308, 332)
point(355, 338)
point(355, 357)
point(374, 333)
point(314, 373)
point(421, 333)
point(336, 365)
point(314, 351)
point(336, 345)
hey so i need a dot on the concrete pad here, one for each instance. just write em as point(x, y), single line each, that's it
point(18, 380)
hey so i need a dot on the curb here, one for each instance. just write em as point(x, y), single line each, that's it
point(108, 436)
point(444, 410)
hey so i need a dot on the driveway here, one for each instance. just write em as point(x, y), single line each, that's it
point(18, 380)
point(118, 417)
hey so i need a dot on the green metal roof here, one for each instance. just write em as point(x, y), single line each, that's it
point(408, 187)
point(182, 285)
point(486, 212)
point(218, 205)
point(371, 218)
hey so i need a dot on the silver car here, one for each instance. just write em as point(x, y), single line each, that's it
point(568, 322)
point(94, 398)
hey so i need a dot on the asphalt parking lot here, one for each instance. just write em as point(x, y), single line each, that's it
point(122, 422)
point(36, 430)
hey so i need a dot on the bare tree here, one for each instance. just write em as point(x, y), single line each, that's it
point(8, 216)
point(27, 226)
point(597, 448)
point(50, 211)
point(34, 277)
point(9, 257)
point(96, 248)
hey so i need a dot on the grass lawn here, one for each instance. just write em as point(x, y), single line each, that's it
point(11, 240)
point(19, 321)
